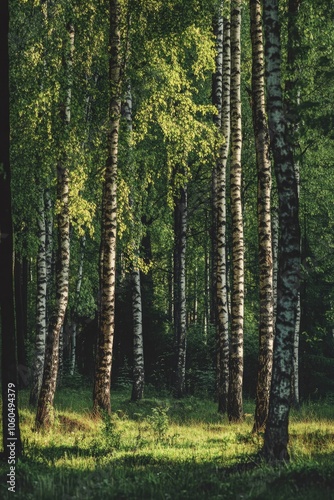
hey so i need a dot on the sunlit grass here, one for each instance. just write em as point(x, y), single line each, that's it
point(166, 448)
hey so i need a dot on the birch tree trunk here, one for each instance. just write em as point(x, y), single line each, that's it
point(275, 234)
point(235, 406)
point(171, 292)
point(195, 297)
point(11, 437)
point(138, 346)
point(276, 435)
point(48, 243)
point(43, 262)
point(137, 314)
point(222, 101)
point(61, 356)
point(261, 131)
point(292, 101)
point(41, 320)
point(180, 312)
point(44, 416)
point(207, 295)
point(77, 298)
point(101, 393)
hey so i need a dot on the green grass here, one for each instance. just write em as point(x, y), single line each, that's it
point(162, 448)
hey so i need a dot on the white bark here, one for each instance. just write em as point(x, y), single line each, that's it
point(41, 321)
point(44, 414)
point(235, 406)
point(138, 345)
point(261, 132)
point(137, 315)
point(222, 102)
point(276, 435)
point(102, 381)
point(77, 298)
point(180, 310)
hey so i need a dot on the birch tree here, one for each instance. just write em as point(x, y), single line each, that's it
point(102, 379)
point(136, 293)
point(292, 100)
point(74, 324)
point(138, 346)
point(235, 407)
point(43, 215)
point(261, 131)
point(276, 434)
point(44, 416)
point(41, 320)
point(221, 94)
point(180, 311)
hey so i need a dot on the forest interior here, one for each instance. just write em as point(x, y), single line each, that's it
point(166, 236)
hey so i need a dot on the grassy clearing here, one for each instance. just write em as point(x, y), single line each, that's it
point(161, 448)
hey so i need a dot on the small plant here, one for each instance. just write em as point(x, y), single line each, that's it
point(141, 442)
point(110, 434)
point(109, 439)
point(159, 422)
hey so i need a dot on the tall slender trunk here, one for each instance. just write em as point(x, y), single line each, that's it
point(292, 101)
point(41, 319)
point(207, 300)
point(61, 355)
point(74, 324)
point(10, 417)
point(261, 131)
point(295, 374)
point(102, 381)
point(171, 293)
point(275, 237)
point(48, 244)
point(180, 310)
point(276, 434)
point(137, 314)
point(223, 65)
point(235, 407)
point(44, 416)
point(138, 346)
point(195, 299)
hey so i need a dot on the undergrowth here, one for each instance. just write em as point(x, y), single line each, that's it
point(161, 448)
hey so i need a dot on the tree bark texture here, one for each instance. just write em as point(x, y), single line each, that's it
point(292, 100)
point(180, 311)
point(138, 346)
point(49, 256)
point(235, 406)
point(137, 313)
point(276, 434)
point(77, 298)
point(101, 393)
point(222, 101)
point(274, 234)
point(44, 416)
point(261, 132)
point(41, 317)
point(207, 294)
point(11, 437)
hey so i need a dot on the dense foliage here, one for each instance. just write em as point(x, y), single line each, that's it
point(167, 58)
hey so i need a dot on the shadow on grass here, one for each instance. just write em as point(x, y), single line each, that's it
point(51, 454)
point(142, 476)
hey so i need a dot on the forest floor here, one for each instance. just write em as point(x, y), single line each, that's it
point(161, 448)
